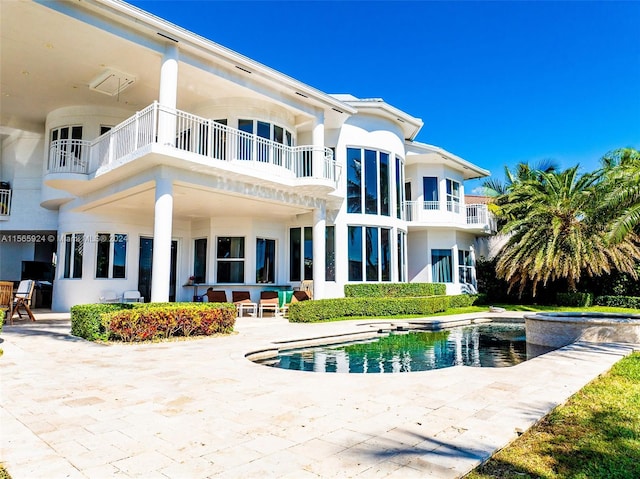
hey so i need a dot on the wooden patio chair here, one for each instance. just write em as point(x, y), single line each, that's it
point(6, 296)
point(22, 299)
point(242, 301)
point(216, 296)
point(269, 301)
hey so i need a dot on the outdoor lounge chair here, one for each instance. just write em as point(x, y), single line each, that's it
point(242, 301)
point(132, 296)
point(109, 297)
point(216, 296)
point(6, 295)
point(269, 302)
point(22, 299)
point(295, 297)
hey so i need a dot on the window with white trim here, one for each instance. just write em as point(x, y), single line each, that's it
point(73, 254)
point(111, 255)
point(230, 259)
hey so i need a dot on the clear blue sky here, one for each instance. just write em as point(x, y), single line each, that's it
point(496, 83)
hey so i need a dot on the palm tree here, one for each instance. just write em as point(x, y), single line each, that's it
point(497, 189)
point(555, 229)
point(621, 169)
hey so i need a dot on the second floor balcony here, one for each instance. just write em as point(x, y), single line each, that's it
point(450, 213)
point(209, 140)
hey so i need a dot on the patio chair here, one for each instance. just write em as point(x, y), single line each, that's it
point(296, 297)
point(132, 296)
point(6, 295)
point(269, 301)
point(307, 286)
point(109, 297)
point(214, 296)
point(22, 299)
point(242, 301)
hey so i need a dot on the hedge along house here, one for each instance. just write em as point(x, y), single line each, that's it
point(136, 155)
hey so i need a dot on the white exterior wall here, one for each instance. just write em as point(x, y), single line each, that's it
point(22, 157)
point(263, 200)
point(376, 134)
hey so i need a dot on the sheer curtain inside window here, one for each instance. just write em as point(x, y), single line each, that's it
point(441, 264)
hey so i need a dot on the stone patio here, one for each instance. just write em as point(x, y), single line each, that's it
point(199, 409)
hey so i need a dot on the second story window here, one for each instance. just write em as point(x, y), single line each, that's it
point(264, 151)
point(368, 182)
point(430, 193)
point(453, 196)
point(65, 147)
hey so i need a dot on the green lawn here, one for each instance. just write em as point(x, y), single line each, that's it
point(595, 435)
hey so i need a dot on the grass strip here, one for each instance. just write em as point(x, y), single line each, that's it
point(595, 435)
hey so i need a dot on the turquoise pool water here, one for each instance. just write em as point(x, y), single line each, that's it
point(481, 345)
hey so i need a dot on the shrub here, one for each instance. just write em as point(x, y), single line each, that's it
point(148, 322)
point(393, 290)
point(327, 309)
point(583, 300)
point(632, 302)
point(86, 319)
point(140, 321)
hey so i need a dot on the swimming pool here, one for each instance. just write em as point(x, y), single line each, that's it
point(479, 345)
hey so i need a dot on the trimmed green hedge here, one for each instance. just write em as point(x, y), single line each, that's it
point(327, 309)
point(86, 319)
point(146, 321)
point(394, 290)
point(632, 302)
point(582, 300)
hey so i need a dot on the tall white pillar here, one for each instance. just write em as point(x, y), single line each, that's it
point(163, 219)
point(168, 96)
point(317, 139)
point(319, 251)
point(455, 276)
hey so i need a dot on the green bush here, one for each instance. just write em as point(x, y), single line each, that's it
point(327, 309)
point(632, 302)
point(582, 300)
point(167, 320)
point(86, 319)
point(141, 321)
point(393, 290)
point(463, 300)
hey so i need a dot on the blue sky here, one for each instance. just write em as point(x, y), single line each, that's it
point(496, 83)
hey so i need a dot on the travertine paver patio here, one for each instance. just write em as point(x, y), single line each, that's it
point(199, 408)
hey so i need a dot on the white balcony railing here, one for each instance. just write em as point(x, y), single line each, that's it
point(205, 137)
point(434, 212)
point(69, 156)
point(5, 202)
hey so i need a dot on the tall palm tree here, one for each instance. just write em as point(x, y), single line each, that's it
point(555, 229)
point(621, 169)
point(497, 189)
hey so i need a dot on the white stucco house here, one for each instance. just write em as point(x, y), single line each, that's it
point(136, 154)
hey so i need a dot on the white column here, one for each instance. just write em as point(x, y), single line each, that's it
point(455, 276)
point(319, 251)
point(317, 138)
point(472, 254)
point(163, 219)
point(168, 96)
